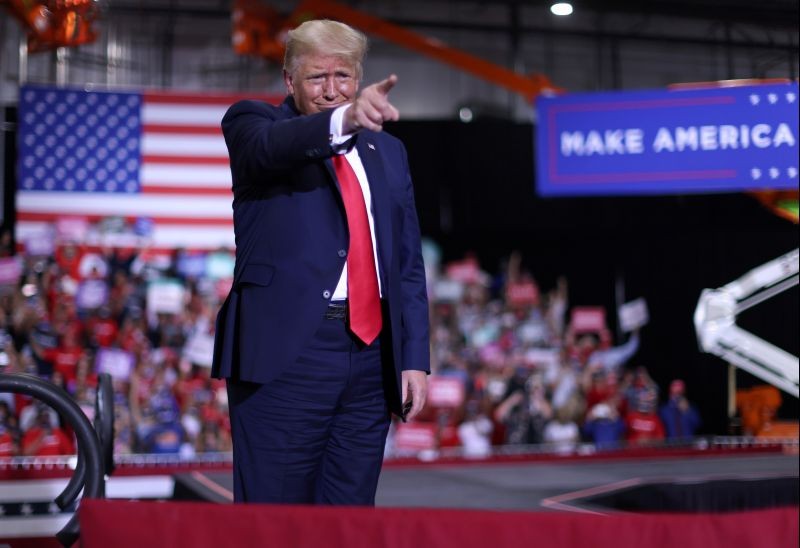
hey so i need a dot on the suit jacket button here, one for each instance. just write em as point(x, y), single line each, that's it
point(326, 294)
point(342, 253)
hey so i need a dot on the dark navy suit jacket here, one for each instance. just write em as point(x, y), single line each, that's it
point(292, 241)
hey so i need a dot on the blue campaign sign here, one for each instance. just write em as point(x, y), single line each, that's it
point(668, 142)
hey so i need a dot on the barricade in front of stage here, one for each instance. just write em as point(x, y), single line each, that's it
point(165, 522)
point(205, 525)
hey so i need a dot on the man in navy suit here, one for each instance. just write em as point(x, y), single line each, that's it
point(325, 331)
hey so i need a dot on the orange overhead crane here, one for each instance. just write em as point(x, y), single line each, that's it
point(55, 23)
point(261, 30)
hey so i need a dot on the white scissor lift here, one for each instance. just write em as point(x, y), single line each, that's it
point(717, 332)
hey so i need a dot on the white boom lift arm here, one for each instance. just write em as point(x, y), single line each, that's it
point(717, 332)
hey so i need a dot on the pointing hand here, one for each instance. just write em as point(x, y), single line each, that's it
point(372, 108)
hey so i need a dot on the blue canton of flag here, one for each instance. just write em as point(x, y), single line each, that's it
point(79, 142)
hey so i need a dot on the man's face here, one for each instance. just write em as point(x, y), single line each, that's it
point(321, 82)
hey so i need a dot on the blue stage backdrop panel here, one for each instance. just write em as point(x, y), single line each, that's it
point(721, 139)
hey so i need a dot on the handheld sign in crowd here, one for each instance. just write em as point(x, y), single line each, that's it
point(542, 358)
point(40, 242)
point(411, 438)
point(91, 294)
point(10, 271)
point(633, 315)
point(449, 291)
point(522, 294)
point(192, 265)
point(72, 229)
point(116, 362)
point(446, 391)
point(199, 349)
point(723, 139)
point(588, 319)
point(220, 265)
point(165, 296)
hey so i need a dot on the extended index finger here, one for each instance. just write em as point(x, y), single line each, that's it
point(385, 86)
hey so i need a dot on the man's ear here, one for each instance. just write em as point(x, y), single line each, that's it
point(287, 79)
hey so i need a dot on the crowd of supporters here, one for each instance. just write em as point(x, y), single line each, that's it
point(144, 317)
point(509, 366)
point(515, 365)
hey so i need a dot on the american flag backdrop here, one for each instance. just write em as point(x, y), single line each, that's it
point(158, 157)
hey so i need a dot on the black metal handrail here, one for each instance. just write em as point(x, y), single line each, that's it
point(90, 456)
point(104, 426)
point(104, 420)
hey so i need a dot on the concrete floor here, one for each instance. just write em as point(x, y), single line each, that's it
point(523, 486)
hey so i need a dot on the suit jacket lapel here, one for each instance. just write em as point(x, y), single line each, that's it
point(376, 176)
point(329, 166)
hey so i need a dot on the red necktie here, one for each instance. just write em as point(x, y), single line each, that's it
point(363, 297)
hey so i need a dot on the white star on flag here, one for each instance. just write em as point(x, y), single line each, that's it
point(791, 97)
point(792, 171)
point(755, 173)
point(773, 98)
point(774, 172)
point(754, 99)
point(26, 510)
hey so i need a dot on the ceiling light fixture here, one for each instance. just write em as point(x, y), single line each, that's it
point(561, 8)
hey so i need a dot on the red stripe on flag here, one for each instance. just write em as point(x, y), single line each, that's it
point(185, 160)
point(169, 99)
point(193, 221)
point(186, 190)
point(182, 130)
point(153, 249)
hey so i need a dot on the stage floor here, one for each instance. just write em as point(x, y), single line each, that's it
point(535, 485)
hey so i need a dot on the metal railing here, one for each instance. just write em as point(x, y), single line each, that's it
point(95, 447)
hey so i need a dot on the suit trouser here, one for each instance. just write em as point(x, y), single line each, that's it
point(316, 434)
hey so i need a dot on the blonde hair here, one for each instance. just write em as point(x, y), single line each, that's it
point(327, 37)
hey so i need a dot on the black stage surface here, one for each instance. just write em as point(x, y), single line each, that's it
point(569, 484)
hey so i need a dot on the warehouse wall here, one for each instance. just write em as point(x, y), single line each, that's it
point(143, 43)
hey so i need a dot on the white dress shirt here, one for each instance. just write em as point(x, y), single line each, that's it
point(338, 138)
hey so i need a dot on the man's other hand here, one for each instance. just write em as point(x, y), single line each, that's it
point(415, 390)
point(371, 108)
